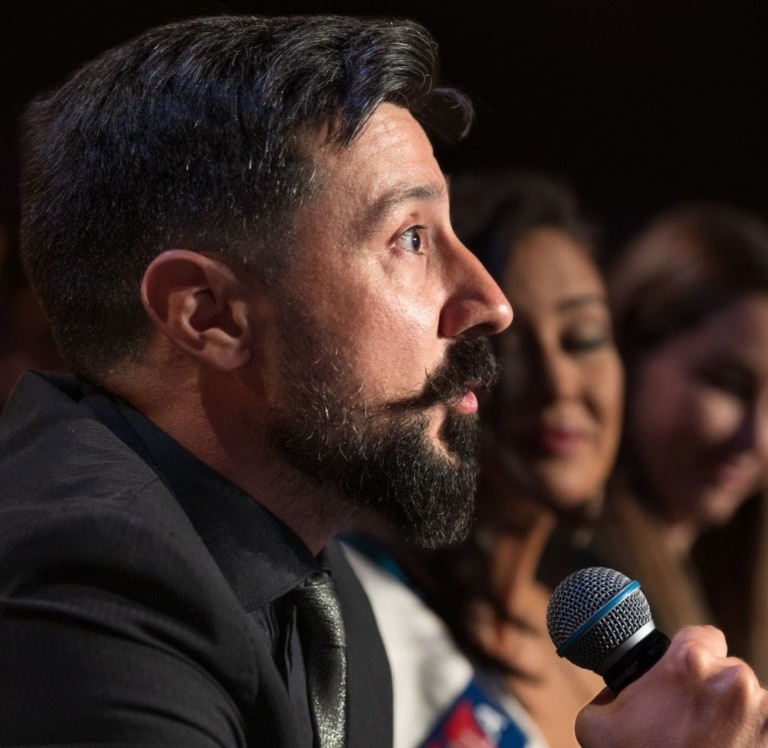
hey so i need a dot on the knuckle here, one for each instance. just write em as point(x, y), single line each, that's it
point(738, 683)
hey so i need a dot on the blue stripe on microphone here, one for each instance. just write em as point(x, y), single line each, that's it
point(597, 615)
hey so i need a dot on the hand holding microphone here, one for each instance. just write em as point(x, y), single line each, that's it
point(684, 694)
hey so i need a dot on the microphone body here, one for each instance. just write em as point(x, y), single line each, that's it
point(599, 619)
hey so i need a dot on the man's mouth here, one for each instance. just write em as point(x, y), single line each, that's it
point(467, 403)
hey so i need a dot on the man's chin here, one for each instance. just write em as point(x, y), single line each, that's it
point(436, 526)
point(431, 539)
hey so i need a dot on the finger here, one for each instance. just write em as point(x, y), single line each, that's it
point(697, 638)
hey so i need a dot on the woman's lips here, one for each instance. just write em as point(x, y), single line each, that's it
point(559, 441)
point(732, 475)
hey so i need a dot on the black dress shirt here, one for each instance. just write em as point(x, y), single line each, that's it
point(265, 563)
point(141, 593)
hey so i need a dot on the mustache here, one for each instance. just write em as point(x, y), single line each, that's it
point(470, 363)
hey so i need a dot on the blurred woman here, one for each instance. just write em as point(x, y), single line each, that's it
point(465, 628)
point(686, 513)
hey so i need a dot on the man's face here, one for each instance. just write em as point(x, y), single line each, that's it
point(381, 319)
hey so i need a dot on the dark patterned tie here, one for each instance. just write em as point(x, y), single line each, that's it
point(321, 629)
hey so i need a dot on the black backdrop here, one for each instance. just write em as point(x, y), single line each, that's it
point(637, 103)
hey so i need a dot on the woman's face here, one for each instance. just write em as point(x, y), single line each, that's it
point(556, 421)
point(698, 414)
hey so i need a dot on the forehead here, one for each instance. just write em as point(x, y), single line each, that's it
point(392, 155)
point(739, 329)
point(546, 266)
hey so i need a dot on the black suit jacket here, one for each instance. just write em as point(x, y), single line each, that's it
point(125, 617)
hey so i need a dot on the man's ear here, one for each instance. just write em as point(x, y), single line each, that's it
point(200, 305)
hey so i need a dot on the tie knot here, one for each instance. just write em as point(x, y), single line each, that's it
point(316, 581)
point(319, 610)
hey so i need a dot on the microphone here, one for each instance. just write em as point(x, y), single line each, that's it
point(600, 620)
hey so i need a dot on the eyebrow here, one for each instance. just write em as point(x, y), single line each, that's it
point(583, 300)
point(385, 203)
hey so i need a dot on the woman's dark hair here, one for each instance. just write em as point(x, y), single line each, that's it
point(199, 134)
point(492, 211)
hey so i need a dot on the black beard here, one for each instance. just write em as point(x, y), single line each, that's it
point(384, 460)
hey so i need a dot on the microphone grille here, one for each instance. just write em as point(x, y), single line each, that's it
point(579, 598)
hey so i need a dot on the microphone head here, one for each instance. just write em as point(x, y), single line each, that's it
point(595, 615)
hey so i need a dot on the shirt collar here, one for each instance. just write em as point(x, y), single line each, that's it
point(260, 556)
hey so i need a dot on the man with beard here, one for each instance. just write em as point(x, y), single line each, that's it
point(241, 237)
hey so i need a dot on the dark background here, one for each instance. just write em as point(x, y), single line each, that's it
point(637, 104)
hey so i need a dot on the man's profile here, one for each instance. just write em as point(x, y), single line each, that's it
point(241, 237)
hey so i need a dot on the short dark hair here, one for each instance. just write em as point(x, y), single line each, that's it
point(196, 134)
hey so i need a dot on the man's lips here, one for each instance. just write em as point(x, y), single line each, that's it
point(467, 403)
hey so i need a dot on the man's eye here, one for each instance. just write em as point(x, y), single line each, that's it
point(410, 239)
